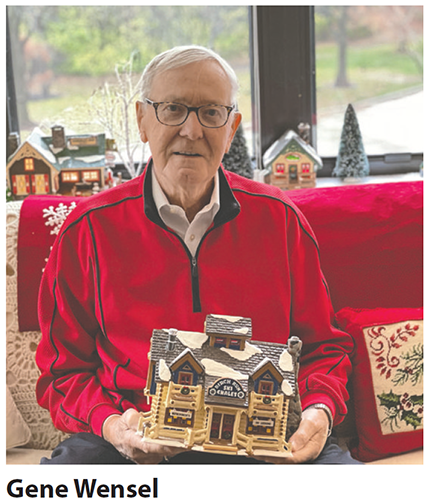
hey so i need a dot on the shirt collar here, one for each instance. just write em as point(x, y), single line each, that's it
point(229, 206)
point(161, 200)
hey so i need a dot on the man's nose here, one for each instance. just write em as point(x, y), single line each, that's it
point(192, 127)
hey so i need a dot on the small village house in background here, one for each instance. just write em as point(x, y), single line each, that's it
point(57, 164)
point(291, 162)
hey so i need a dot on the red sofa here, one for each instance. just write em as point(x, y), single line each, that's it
point(371, 242)
point(371, 248)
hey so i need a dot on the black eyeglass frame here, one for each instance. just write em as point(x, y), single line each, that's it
point(156, 104)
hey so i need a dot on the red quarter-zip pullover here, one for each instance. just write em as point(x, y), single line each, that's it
point(116, 272)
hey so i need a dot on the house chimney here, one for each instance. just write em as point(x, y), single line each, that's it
point(304, 131)
point(12, 143)
point(294, 346)
point(58, 137)
point(170, 345)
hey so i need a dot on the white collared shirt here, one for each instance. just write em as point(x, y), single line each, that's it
point(175, 218)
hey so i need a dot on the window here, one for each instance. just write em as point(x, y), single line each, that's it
point(280, 168)
point(91, 176)
point(179, 417)
point(261, 425)
point(40, 184)
point(29, 164)
point(185, 378)
point(70, 176)
point(371, 57)
point(298, 96)
point(234, 344)
point(220, 342)
point(265, 387)
point(21, 185)
point(63, 56)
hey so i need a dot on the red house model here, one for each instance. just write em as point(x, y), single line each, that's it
point(67, 165)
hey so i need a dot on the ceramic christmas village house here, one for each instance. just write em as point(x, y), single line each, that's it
point(67, 165)
point(291, 162)
point(219, 391)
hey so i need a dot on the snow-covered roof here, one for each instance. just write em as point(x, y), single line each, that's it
point(218, 363)
point(70, 157)
point(218, 324)
point(281, 143)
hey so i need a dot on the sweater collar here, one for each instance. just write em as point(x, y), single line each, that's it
point(229, 206)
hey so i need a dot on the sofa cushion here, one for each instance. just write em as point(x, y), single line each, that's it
point(387, 379)
point(370, 238)
point(17, 431)
point(41, 218)
point(21, 369)
point(25, 456)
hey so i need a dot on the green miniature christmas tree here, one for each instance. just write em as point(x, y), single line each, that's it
point(237, 159)
point(9, 196)
point(352, 160)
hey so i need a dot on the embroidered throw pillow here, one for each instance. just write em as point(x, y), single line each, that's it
point(387, 380)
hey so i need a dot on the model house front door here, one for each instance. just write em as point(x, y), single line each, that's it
point(222, 427)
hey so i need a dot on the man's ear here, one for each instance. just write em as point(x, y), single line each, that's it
point(140, 115)
point(237, 118)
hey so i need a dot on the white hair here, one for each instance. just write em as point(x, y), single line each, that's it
point(182, 56)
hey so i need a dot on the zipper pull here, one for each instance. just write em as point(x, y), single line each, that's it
point(197, 308)
point(194, 266)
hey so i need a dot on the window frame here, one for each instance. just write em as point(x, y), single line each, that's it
point(283, 85)
point(185, 375)
point(28, 164)
point(293, 99)
point(12, 123)
point(70, 176)
point(91, 175)
point(265, 383)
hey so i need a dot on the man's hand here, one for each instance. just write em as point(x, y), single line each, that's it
point(309, 439)
point(121, 432)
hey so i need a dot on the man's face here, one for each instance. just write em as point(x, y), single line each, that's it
point(188, 155)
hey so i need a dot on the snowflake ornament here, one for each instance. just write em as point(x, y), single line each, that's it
point(56, 216)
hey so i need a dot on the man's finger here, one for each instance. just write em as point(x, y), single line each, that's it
point(131, 418)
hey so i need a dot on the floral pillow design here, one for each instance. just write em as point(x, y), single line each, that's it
point(387, 379)
point(396, 354)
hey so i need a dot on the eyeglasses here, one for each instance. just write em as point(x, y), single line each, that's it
point(174, 114)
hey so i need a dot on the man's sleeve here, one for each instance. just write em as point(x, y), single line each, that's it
point(68, 354)
point(325, 363)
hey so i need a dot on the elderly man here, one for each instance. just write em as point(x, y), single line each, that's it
point(163, 250)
